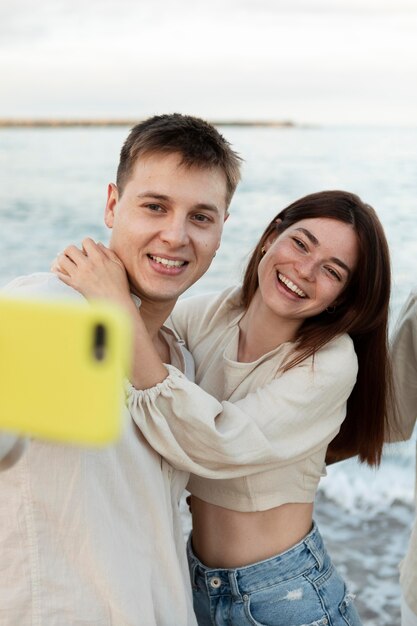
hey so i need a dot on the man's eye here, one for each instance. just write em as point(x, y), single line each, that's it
point(154, 207)
point(200, 217)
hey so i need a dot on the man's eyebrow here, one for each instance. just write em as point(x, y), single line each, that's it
point(153, 194)
point(203, 206)
point(316, 243)
point(200, 206)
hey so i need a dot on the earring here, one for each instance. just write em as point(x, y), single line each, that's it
point(263, 250)
point(331, 309)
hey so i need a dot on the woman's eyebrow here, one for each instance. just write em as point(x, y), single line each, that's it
point(316, 243)
point(310, 236)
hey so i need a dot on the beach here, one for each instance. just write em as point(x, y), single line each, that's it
point(367, 553)
point(53, 194)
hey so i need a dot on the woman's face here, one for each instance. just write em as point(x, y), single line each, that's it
point(307, 267)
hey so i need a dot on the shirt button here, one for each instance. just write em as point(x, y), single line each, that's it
point(215, 583)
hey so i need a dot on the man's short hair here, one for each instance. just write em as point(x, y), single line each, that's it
point(198, 142)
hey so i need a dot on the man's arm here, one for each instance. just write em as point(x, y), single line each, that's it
point(36, 285)
point(11, 449)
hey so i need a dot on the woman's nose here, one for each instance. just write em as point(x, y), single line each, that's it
point(307, 269)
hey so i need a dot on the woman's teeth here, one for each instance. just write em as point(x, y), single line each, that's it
point(287, 282)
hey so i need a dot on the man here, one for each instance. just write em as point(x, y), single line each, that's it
point(93, 537)
point(404, 360)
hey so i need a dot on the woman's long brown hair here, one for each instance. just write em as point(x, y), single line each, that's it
point(362, 312)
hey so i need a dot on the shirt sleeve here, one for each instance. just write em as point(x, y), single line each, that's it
point(404, 362)
point(40, 285)
point(11, 449)
point(287, 420)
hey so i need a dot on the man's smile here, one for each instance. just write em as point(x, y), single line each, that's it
point(167, 262)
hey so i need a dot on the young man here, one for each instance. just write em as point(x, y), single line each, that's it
point(93, 537)
point(404, 361)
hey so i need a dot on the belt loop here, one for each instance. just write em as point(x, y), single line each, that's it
point(315, 551)
point(192, 562)
point(234, 586)
point(193, 567)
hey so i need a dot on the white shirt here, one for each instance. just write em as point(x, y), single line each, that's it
point(92, 537)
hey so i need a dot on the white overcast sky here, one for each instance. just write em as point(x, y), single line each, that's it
point(310, 61)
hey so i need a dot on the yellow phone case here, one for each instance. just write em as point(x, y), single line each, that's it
point(62, 366)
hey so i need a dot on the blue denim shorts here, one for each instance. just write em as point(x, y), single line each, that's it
point(299, 587)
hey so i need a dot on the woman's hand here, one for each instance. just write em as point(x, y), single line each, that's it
point(95, 271)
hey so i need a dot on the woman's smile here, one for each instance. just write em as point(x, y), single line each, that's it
point(290, 286)
point(307, 267)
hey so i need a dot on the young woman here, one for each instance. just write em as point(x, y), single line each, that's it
point(294, 360)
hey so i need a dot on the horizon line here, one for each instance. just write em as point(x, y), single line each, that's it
point(10, 122)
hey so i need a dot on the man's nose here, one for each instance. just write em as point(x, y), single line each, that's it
point(175, 232)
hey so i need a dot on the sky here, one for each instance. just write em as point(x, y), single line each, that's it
point(307, 61)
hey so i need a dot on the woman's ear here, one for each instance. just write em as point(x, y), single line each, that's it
point(272, 236)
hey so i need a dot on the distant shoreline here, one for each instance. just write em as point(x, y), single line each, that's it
point(67, 123)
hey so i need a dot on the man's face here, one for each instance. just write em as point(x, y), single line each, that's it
point(167, 225)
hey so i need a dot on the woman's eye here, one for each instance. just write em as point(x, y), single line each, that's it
point(300, 244)
point(333, 273)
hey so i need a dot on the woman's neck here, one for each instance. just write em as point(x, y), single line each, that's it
point(261, 331)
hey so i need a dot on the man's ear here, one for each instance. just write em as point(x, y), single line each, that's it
point(112, 200)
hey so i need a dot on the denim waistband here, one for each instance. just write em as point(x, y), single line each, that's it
point(308, 553)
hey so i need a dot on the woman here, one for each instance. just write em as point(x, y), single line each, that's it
point(293, 361)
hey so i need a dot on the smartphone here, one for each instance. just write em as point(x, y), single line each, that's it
point(62, 368)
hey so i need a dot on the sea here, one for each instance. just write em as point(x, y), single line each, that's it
point(53, 191)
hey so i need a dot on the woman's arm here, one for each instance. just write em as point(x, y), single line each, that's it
point(287, 420)
point(97, 273)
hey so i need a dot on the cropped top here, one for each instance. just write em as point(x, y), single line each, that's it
point(253, 437)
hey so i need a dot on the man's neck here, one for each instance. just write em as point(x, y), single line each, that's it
point(154, 315)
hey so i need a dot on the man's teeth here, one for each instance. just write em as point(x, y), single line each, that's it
point(167, 262)
point(291, 285)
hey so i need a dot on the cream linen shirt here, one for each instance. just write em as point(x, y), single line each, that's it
point(404, 359)
point(260, 433)
point(92, 537)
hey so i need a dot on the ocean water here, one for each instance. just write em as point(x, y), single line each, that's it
point(53, 192)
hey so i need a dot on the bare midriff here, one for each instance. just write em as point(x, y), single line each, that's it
point(227, 539)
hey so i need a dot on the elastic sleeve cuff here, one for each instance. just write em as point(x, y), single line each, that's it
point(164, 388)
